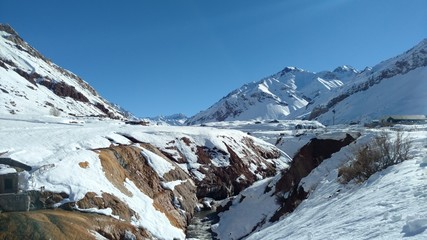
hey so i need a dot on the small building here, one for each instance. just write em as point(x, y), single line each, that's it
point(11, 199)
point(142, 123)
point(9, 183)
point(405, 119)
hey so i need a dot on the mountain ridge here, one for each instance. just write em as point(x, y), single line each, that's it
point(275, 96)
point(32, 84)
point(294, 93)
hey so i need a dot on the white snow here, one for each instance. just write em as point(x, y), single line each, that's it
point(256, 206)
point(54, 147)
point(159, 164)
point(20, 96)
point(284, 94)
point(294, 93)
point(391, 204)
point(398, 95)
point(171, 185)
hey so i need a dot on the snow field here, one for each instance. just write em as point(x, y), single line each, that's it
point(391, 204)
point(54, 147)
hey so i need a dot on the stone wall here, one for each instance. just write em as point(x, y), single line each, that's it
point(12, 202)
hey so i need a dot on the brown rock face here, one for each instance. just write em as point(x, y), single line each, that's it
point(59, 224)
point(121, 209)
point(309, 157)
point(222, 182)
point(123, 162)
point(244, 163)
point(63, 90)
point(248, 162)
point(45, 199)
point(119, 163)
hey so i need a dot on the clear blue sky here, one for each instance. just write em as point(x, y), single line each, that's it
point(161, 57)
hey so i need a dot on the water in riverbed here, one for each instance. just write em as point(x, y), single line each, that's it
point(200, 225)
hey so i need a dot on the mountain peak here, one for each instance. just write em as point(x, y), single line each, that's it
point(423, 42)
point(296, 93)
point(291, 69)
point(7, 28)
point(345, 68)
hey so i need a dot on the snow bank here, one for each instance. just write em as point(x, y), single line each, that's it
point(389, 205)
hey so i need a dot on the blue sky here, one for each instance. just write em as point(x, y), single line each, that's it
point(161, 57)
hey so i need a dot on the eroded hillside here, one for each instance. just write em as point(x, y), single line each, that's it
point(149, 177)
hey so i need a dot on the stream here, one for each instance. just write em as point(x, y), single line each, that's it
point(200, 225)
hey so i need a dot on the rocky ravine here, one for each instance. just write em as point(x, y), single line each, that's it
point(273, 198)
point(140, 182)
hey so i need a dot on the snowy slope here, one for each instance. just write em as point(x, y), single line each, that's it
point(391, 204)
point(393, 87)
point(31, 84)
point(56, 147)
point(275, 97)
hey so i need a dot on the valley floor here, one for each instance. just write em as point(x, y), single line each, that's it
point(391, 204)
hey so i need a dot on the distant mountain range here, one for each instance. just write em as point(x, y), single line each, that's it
point(344, 95)
point(33, 85)
point(172, 120)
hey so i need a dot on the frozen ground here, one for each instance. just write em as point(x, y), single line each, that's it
point(54, 147)
point(391, 204)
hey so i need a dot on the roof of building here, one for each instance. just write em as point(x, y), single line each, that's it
point(14, 163)
point(407, 117)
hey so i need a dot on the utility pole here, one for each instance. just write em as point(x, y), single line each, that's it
point(333, 117)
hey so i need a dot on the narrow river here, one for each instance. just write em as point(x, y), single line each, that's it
point(200, 225)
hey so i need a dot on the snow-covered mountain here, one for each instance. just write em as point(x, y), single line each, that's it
point(31, 84)
point(395, 86)
point(172, 120)
point(277, 96)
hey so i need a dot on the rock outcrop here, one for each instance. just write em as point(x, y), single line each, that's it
point(222, 182)
point(311, 155)
point(268, 200)
point(59, 224)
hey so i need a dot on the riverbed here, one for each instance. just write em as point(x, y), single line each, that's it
point(200, 225)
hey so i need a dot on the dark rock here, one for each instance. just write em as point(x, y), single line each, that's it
point(308, 158)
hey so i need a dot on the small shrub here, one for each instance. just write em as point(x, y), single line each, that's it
point(54, 112)
point(381, 153)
